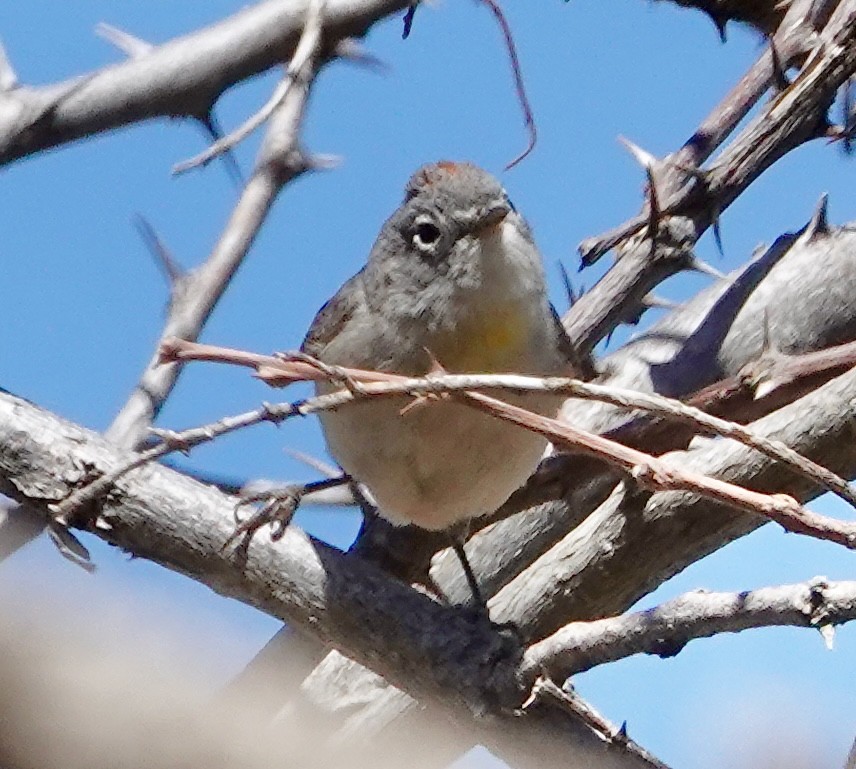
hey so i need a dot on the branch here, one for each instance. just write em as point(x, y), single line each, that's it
point(183, 77)
point(595, 569)
point(691, 199)
point(280, 160)
point(436, 653)
point(803, 284)
point(667, 628)
point(194, 295)
point(645, 469)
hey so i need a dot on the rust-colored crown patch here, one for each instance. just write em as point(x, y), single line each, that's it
point(429, 175)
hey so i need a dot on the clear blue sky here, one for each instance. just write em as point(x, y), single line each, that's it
point(83, 302)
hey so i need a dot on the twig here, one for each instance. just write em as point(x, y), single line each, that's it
point(650, 472)
point(667, 628)
point(655, 474)
point(299, 65)
point(281, 370)
point(519, 84)
point(171, 441)
point(279, 162)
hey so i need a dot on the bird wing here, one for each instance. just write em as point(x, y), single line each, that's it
point(333, 316)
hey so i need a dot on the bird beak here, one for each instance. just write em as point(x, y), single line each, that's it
point(492, 218)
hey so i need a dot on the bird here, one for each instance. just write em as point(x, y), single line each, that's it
point(455, 281)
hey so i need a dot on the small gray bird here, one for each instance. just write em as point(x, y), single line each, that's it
point(454, 277)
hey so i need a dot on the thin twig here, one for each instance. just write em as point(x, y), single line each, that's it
point(519, 84)
point(279, 162)
point(281, 370)
point(305, 52)
point(650, 472)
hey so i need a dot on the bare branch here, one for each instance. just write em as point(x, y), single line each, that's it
point(365, 384)
point(595, 570)
point(691, 202)
point(300, 66)
point(436, 653)
point(183, 77)
point(666, 629)
point(279, 161)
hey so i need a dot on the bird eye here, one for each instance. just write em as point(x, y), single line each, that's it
point(426, 235)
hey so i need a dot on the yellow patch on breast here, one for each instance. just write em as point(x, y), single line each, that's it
point(490, 343)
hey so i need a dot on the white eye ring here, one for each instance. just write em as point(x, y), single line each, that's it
point(426, 235)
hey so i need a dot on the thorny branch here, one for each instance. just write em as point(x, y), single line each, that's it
point(256, 45)
point(349, 603)
point(649, 472)
point(183, 77)
point(667, 628)
point(194, 295)
point(691, 199)
point(159, 514)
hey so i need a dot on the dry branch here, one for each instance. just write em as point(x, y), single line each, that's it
point(667, 628)
point(691, 199)
point(183, 77)
point(434, 652)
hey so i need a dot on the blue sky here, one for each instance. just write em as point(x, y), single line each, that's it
point(84, 302)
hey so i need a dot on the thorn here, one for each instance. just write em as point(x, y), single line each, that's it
point(697, 265)
point(720, 23)
point(652, 300)
point(434, 365)
point(570, 294)
point(717, 231)
point(645, 159)
point(764, 388)
point(758, 250)
point(350, 49)
point(158, 250)
point(827, 632)
point(408, 20)
point(212, 128)
point(323, 162)
point(330, 471)
point(818, 226)
point(70, 547)
point(8, 78)
point(780, 78)
point(132, 47)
